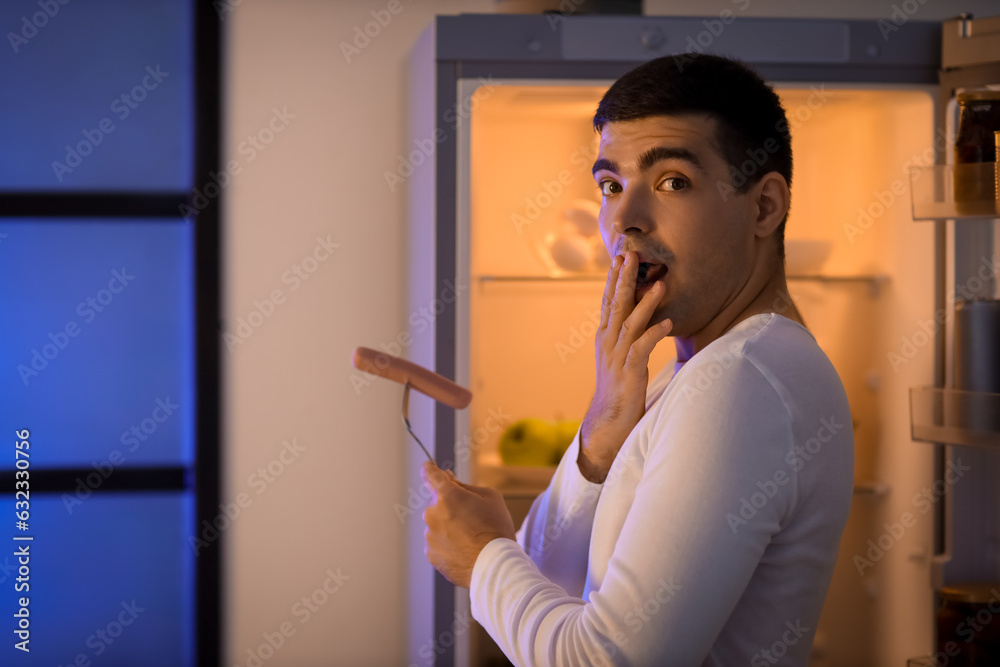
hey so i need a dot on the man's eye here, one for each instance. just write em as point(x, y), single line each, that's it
point(675, 183)
point(609, 187)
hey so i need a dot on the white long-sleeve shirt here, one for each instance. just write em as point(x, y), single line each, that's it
point(713, 539)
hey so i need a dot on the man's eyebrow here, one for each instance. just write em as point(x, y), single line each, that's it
point(651, 157)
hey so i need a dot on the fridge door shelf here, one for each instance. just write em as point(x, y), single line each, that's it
point(871, 488)
point(955, 417)
point(933, 189)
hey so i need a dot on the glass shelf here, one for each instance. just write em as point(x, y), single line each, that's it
point(582, 277)
point(590, 277)
point(874, 281)
point(513, 481)
point(933, 189)
point(954, 417)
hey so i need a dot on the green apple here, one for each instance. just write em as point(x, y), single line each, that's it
point(566, 430)
point(529, 442)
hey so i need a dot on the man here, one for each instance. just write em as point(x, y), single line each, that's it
point(696, 520)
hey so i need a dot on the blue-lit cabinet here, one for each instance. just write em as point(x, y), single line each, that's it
point(108, 329)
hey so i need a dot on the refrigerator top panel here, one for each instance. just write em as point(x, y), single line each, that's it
point(781, 49)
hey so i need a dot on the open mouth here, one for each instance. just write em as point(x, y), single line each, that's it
point(649, 273)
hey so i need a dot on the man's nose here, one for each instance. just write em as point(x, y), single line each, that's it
point(634, 212)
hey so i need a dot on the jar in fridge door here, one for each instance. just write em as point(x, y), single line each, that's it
point(975, 152)
point(967, 629)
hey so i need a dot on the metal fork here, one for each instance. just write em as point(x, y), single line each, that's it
point(406, 421)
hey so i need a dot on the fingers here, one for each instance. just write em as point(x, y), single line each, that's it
point(609, 289)
point(484, 491)
point(638, 354)
point(441, 480)
point(623, 302)
point(478, 490)
point(635, 323)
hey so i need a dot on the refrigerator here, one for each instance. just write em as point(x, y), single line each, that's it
point(504, 283)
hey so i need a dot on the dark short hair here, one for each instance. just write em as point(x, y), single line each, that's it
point(750, 119)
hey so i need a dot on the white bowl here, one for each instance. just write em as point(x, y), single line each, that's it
point(565, 240)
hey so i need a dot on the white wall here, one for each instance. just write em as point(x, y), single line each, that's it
point(332, 507)
point(322, 175)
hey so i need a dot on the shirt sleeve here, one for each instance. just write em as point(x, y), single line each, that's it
point(679, 564)
point(555, 534)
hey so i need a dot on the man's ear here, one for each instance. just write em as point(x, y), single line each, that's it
point(771, 199)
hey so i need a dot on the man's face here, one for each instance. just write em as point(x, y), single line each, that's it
point(666, 196)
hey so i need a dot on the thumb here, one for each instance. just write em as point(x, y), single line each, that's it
point(434, 476)
point(478, 490)
point(637, 359)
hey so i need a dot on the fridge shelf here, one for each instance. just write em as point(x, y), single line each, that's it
point(511, 480)
point(932, 192)
point(955, 417)
point(876, 280)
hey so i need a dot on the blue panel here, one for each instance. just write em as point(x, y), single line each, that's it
point(96, 348)
point(65, 69)
point(112, 581)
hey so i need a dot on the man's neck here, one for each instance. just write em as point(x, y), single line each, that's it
point(772, 297)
